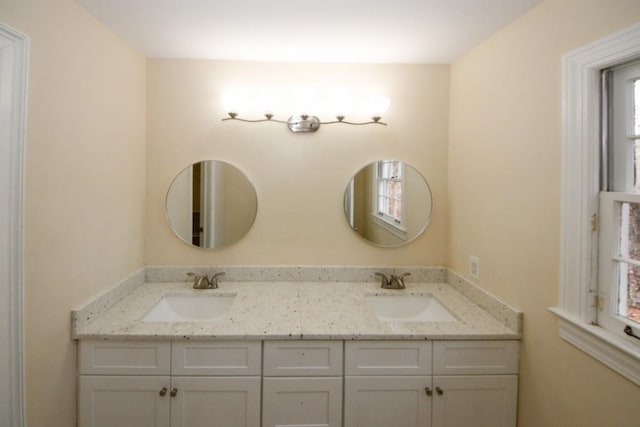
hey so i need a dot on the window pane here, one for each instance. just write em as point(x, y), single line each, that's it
point(636, 166)
point(629, 274)
point(395, 170)
point(636, 105)
point(630, 230)
point(628, 301)
point(636, 131)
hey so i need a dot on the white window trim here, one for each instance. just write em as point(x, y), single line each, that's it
point(393, 228)
point(580, 165)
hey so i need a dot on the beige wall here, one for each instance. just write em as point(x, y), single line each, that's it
point(504, 194)
point(85, 171)
point(86, 175)
point(299, 178)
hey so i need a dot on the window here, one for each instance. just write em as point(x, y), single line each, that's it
point(619, 239)
point(388, 192)
point(598, 223)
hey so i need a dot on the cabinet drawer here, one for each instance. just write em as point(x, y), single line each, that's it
point(388, 358)
point(124, 358)
point(216, 358)
point(475, 357)
point(302, 358)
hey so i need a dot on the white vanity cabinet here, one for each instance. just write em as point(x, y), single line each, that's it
point(302, 383)
point(379, 383)
point(140, 384)
point(439, 384)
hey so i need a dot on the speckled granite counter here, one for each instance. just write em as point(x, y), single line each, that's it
point(297, 310)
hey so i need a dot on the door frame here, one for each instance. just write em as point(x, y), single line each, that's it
point(14, 51)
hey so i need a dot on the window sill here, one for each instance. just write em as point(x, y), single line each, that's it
point(399, 232)
point(616, 352)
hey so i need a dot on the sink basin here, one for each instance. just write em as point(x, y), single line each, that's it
point(409, 308)
point(190, 308)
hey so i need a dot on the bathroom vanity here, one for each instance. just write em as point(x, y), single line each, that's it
point(292, 353)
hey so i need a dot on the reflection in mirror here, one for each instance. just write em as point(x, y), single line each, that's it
point(388, 203)
point(211, 204)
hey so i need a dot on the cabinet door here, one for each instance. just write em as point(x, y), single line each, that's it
point(215, 401)
point(108, 401)
point(302, 401)
point(387, 401)
point(478, 401)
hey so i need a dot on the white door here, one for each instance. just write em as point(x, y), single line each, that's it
point(215, 401)
point(131, 401)
point(13, 83)
point(475, 401)
point(302, 401)
point(387, 401)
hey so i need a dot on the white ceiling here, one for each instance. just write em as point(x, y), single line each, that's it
point(386, 31)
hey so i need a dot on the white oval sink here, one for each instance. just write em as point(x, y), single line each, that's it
point(408, 308)
point(190, 308)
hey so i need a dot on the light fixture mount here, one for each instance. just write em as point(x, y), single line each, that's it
point(303, 123)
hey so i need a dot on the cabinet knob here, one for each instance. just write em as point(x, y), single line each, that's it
point(174, 392)
point(163, 392)
point(428, 391)
point(439, 391)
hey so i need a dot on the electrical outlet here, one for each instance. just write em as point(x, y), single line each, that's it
point(474, 267)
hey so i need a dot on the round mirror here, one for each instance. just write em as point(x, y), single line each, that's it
point(211, 204)
point(388, 203)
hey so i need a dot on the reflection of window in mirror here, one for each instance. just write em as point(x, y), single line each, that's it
point(197, 228)
point(389, 177)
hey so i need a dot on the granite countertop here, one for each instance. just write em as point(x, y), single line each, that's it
point(292, 310)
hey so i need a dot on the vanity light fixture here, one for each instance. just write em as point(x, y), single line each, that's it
point(306, 122)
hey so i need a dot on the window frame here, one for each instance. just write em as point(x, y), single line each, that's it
point(578, 301)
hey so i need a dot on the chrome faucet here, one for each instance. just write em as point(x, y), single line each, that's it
point(204, 282)
point(395, 282)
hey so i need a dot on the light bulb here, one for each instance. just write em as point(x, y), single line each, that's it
point(304, 101)
point(378, 105)
point(269, 101)
point(341, 103)
point(235, 100)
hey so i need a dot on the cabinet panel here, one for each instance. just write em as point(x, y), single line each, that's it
point(479, 401)
point(302, 358)
point(302, 402)
point(475, 357)
point(387, 401)
point(108, 401)
point(216, 358)
point(226, 401)
point(388, 358)
point(124, 358)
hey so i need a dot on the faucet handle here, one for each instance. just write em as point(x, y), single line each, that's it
point(399, 279)
point(199, 282)
point(385, 282)
point(213, 281)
